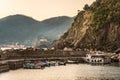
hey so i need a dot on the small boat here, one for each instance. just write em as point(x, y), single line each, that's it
point(61, 63)
point(35, 65)
point(72, 62)
point(52, 63)
point(29, 65)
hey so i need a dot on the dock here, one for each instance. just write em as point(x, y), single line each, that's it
point(7, 65)
point(4, 67)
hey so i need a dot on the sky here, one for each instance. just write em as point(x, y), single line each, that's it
point(42, 9)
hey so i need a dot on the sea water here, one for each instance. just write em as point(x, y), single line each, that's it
point(68, 72)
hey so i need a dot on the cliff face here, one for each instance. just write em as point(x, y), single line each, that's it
point(97, 26)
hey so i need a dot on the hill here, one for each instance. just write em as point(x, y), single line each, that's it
point(97, 26)
point(27, 31)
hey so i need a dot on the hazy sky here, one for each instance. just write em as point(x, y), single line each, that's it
point(42, 9)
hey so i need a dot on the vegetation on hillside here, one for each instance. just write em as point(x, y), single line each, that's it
point(96, 26)
point(104, 12)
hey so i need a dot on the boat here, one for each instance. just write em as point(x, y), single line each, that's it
point(35, 65)
point(61, 63)
point(72, 62)
point(97, 58)
point(51, 63)
point(29, 65)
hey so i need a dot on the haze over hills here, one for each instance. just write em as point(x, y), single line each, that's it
point(26, 30)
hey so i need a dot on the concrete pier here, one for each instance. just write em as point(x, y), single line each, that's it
point(15, 64)
point(4, 67)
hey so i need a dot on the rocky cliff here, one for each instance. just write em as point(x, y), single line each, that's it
point(96, 26)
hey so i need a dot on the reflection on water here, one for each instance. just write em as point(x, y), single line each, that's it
point(68, 72)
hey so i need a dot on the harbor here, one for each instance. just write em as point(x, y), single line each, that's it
point(31, 58)
point(64, 64)
point(60, 40)
point(37, 63)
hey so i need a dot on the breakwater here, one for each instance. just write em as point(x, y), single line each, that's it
point(15, 58)
point(4, 67)
point(7, 65)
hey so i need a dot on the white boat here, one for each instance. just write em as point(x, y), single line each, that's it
point(71, 62)
point(97, 58)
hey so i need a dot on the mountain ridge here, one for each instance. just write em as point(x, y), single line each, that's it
point(25, 30)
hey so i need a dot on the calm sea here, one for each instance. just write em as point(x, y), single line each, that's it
point(68, 72)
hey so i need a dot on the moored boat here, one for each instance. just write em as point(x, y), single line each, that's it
point(97, 58)
point(72, 62)
point(61, 63)
point(28, 65)
point(35, 65)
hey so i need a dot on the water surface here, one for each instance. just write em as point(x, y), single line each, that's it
point(68, 72)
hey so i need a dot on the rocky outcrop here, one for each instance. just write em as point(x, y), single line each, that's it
point(97, 26)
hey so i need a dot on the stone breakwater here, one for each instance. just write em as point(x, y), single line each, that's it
point(38, 53)
point(15, 58)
